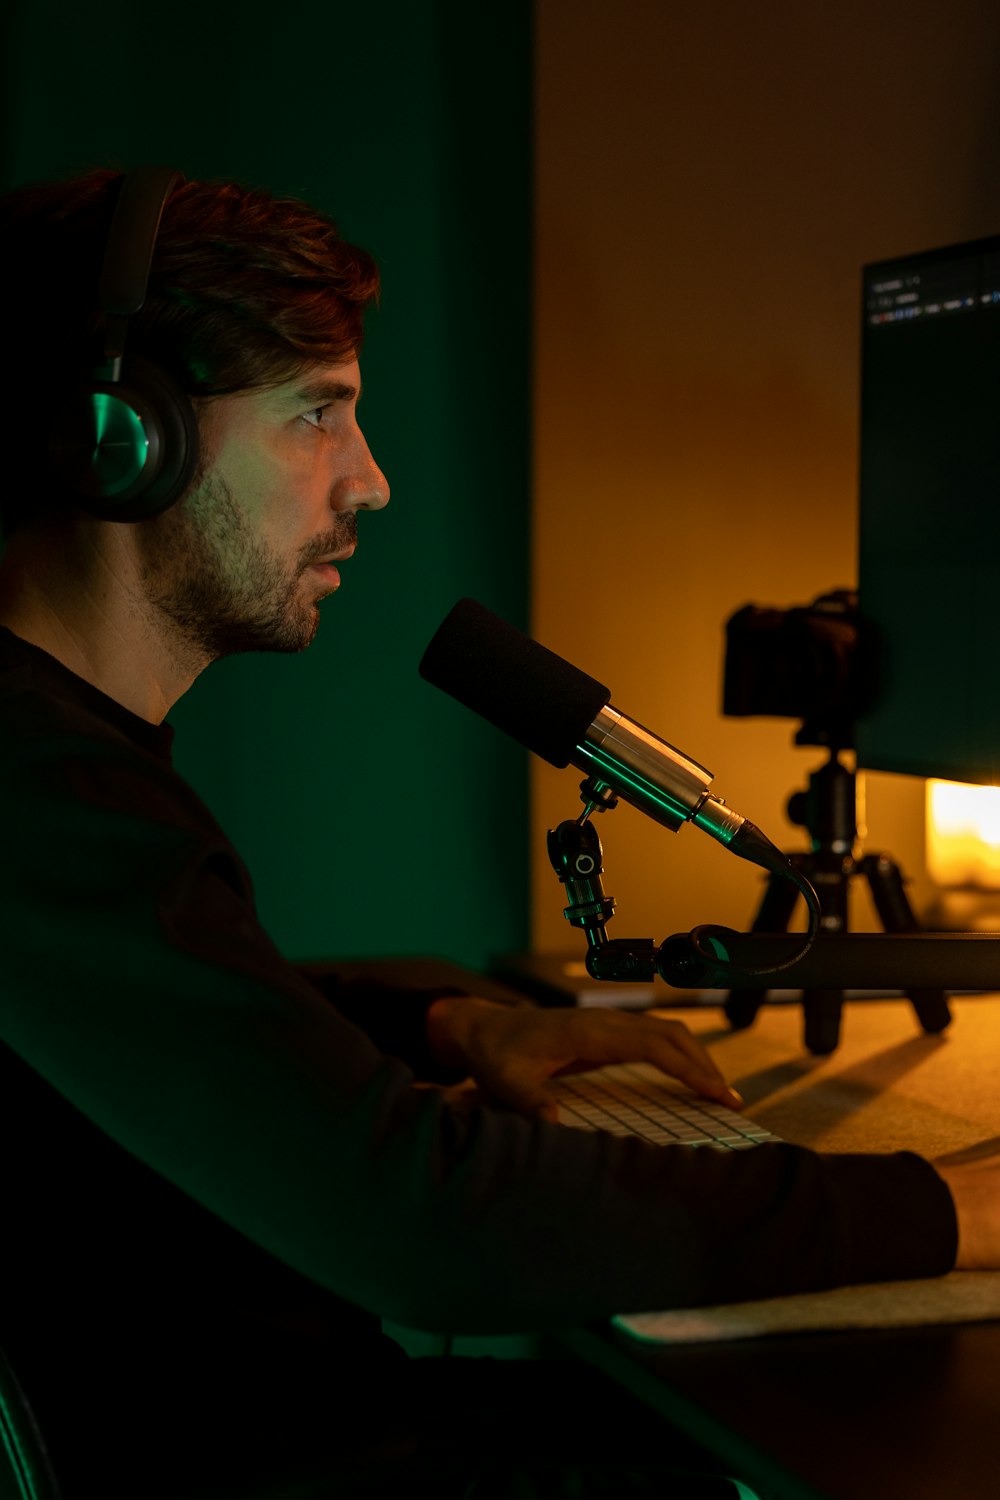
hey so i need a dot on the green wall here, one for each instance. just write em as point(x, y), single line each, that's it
point(376, 816)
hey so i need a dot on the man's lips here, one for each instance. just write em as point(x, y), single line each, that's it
point(324, 566)
point(334, 557)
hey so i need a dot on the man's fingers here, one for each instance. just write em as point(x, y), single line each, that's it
point(668, 1045)
point(526, 1097)
point(683, 1056)
point(514, 1052)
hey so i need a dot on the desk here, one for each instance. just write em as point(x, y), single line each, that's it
point(871, 1415)
point(889, 1414)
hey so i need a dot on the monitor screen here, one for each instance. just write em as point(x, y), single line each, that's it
point(929, 565)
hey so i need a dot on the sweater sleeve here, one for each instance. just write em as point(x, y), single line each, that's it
point(393, 1017)
point(141, 986)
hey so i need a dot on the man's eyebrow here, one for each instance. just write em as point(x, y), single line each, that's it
point(317, 392)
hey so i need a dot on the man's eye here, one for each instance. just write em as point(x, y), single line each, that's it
point(315, 417)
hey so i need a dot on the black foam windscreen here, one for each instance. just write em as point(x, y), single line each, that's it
point(520, 687)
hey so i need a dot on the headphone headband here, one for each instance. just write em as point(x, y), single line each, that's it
point(128, 254)
point(125, 444)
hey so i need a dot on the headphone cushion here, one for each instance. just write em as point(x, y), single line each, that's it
point(126, 450)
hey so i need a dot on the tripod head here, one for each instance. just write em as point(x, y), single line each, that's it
point(828, 810)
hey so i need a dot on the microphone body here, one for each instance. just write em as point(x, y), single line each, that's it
point(654, 776)
point(566, 717)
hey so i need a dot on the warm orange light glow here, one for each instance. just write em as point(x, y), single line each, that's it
point(963, 834)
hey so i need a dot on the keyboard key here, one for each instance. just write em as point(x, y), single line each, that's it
point(636, 1099)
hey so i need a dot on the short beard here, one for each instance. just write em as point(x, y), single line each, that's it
point(219, 586)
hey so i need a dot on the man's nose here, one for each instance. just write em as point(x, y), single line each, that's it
point(366, 487)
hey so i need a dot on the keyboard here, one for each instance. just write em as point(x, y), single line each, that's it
point(636, 1099)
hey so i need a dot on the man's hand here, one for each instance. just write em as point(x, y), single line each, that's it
point(511, 1051)
point(974, 1180)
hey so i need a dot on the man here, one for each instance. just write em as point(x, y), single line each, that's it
point(227, 1179)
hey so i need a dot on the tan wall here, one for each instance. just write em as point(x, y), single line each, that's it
point(710, 180)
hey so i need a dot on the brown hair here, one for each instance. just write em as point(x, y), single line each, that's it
point(245, 290)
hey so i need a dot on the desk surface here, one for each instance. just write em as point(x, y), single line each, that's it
point(847, 1415)
point(888, 1085)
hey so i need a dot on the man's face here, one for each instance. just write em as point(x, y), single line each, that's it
point(241, 562)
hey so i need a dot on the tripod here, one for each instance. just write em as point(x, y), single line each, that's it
point(828, 810)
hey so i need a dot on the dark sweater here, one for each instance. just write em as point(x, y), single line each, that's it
point(218, 1178)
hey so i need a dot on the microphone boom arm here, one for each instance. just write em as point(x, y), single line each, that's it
point(903, 961)
point(575, 853)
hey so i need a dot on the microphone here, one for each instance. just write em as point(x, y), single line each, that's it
point(566, 717)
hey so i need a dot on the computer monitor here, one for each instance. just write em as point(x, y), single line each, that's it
point(929, 566)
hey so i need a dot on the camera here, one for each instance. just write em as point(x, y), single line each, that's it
point(810, 662)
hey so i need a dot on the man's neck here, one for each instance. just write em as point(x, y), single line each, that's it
point(82, 605)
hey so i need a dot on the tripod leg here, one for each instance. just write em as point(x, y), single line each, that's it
point(773, 914)
point(821, 1010)
point(741, 1007)
point(896, 915)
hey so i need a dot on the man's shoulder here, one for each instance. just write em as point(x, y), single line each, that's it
point(44, 705)
point(65, 747)
point(74, 779)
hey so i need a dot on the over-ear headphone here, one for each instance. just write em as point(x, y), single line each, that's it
point(125, 441)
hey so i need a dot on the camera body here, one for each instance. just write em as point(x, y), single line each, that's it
point(803, 663)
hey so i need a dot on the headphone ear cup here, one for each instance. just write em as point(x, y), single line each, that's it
point(126, 450)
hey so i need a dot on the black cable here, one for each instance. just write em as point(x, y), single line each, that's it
point(749, 843)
